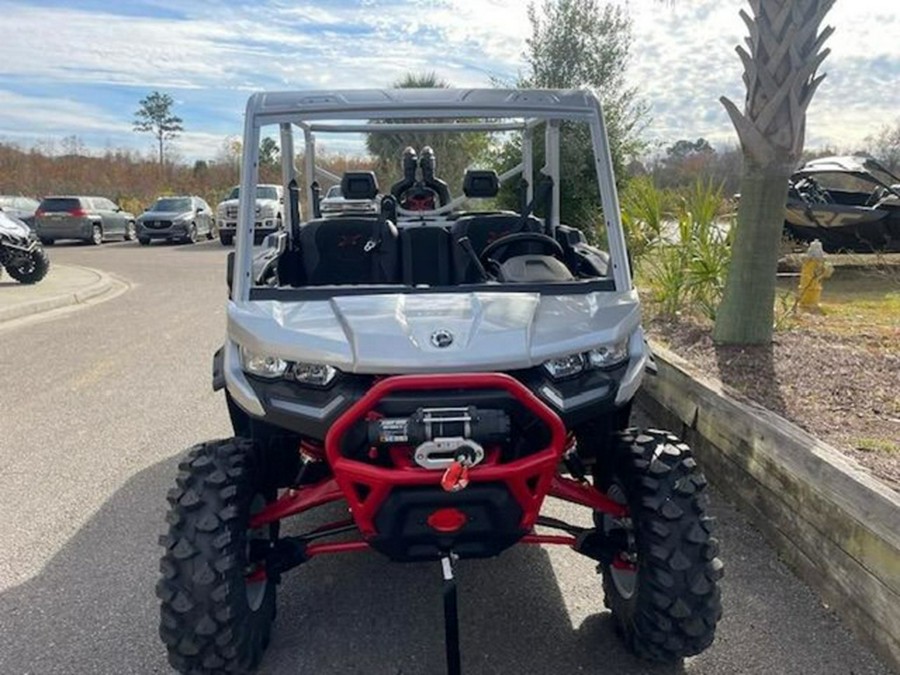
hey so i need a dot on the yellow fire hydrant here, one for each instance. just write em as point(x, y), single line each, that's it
point(812, 273)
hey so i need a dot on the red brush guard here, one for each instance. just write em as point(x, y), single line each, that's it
point(367, 487)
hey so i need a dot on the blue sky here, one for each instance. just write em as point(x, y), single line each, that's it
point(81, 67)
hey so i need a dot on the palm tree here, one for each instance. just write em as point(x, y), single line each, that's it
point(785, 50)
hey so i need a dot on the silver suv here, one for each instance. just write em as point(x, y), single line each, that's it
point(181, 219)
point(269, 212)
point(91, 219)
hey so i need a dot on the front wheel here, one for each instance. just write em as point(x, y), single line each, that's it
point(217, 604)
point(191, 237)
point(226, 239)
point(30, 267)
point(662, 586)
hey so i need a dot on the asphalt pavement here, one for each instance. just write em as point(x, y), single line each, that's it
point(97, 406)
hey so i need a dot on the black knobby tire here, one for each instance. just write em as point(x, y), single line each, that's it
point(212, 619)
point(31, 268)
point(669, 607)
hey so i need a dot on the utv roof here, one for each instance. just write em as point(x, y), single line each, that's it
point(274, 107)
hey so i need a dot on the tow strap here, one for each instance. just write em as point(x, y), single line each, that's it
point(451, 617)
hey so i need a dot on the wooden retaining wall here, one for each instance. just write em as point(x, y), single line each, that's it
point(836, 526)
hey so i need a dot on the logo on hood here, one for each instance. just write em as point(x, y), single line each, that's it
point(442, 338)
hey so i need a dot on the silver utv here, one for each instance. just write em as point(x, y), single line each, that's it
point(439, 367)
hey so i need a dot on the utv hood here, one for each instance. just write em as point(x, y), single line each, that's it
point(428, 333)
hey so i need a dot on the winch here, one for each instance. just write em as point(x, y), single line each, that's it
point(441, 435)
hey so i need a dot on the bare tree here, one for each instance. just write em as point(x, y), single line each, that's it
point(155, 116)
point(785, 51)
point(885, 146)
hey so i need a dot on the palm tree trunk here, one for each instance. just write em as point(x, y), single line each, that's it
point(785, 50)
point(746, 314)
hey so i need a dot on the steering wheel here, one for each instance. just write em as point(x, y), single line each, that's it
point(519, 237)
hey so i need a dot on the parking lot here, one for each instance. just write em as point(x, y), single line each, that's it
point(99, 403)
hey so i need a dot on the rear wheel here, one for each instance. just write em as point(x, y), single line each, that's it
point(96, 235)
point(30, 267)
point(130, 231)
point(217, 604)
point(662, 586)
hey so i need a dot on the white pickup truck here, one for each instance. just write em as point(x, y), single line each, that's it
point(269, 212)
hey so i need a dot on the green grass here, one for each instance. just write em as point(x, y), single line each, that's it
point(877, 445)
point(854, 302)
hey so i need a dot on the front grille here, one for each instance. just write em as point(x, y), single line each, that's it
point(157, 224)
point(231, 212)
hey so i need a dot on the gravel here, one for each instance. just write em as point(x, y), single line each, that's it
point(842, 389)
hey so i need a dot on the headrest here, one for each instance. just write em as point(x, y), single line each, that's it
point(359, 185)
point(409, 162)
point(480, 183)
point(427, 163)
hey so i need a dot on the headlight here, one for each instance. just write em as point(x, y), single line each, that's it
point(318, 374)
point(608, 356)
point(605, 356)
point(565, 366)
point(262, 365)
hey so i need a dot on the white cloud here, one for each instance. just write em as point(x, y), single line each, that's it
point(683, 60)
point(29, 116)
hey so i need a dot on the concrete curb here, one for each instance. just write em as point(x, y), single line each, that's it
point(103, 284)
point(833, 523)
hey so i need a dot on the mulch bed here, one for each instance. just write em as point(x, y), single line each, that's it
point(843, 390)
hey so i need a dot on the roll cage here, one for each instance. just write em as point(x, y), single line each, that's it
point(448, 110)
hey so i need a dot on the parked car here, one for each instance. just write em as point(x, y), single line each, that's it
point(181, 219)
point(847, 203)
point(20, 251)
point(269, 212)
point(334, 203)
point(91, 219)
point(22, 208)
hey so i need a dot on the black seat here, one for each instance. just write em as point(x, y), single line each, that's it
point(481, 231)
point(425, 256)
point(349, 251)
